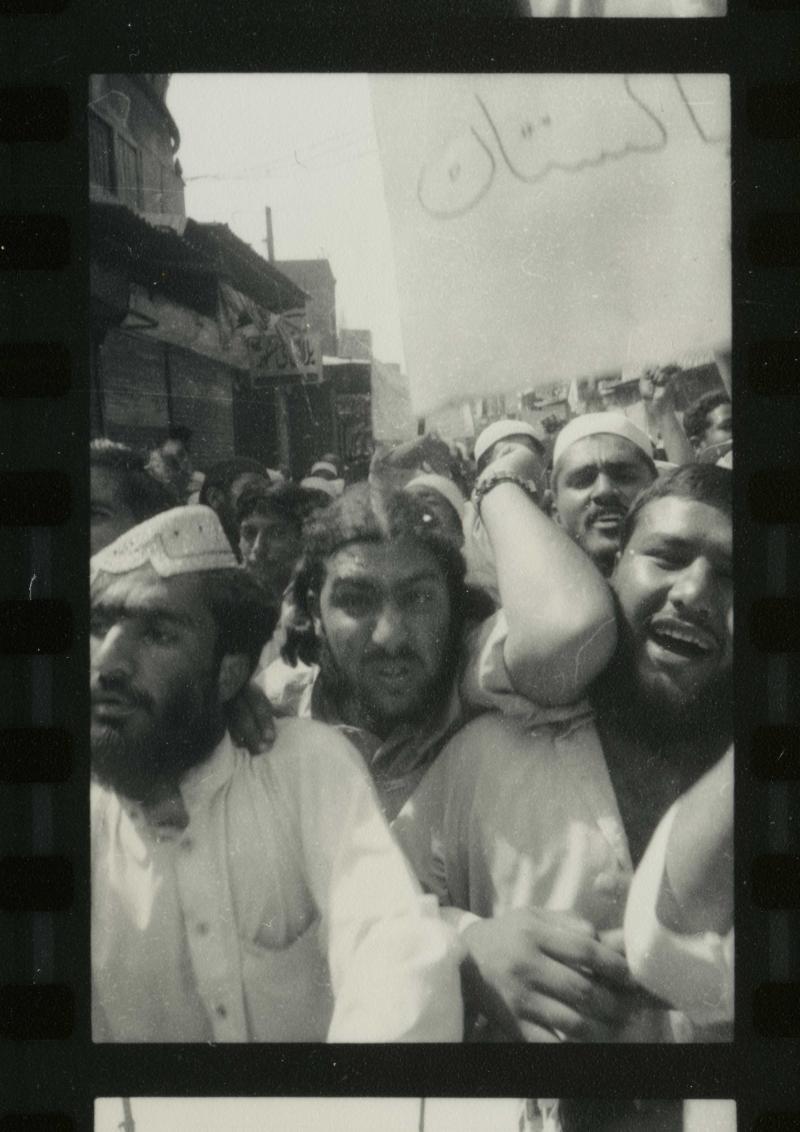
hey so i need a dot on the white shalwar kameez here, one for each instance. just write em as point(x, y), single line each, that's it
point(283, 911)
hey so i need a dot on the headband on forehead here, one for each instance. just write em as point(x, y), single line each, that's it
point(184, 540)
point(597, 424)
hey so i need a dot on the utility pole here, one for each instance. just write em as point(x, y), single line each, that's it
point(270, 242)
point(421, 1114)
point(127, 1124)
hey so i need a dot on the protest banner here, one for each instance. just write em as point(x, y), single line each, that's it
point(548, 227)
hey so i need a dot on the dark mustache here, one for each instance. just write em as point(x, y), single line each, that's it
point(121, 691)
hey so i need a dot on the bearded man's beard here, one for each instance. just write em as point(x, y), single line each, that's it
point(339, 690)
point(655, 715)
point(143, 762)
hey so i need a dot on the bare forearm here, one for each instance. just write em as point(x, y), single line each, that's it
point(663, 420)
point(560, 615)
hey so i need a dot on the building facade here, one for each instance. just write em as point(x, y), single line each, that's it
point(174, 303)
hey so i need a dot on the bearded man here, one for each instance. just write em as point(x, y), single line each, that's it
point(529, 832)
point(235, 898)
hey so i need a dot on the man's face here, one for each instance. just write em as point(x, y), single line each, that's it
point(675, 590)
point(178, 464)
point(225, 504)
point(594, 484)
point(719, 426)
point(269, 545)
point(155, 700)
point(111, 515)
point(385, 616)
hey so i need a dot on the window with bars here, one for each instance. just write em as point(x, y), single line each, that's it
point(101, 153)
point(129, 176)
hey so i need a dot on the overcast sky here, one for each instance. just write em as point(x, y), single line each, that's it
point(340, 1114)
point(305, 146)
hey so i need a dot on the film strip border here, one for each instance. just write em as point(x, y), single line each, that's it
point(43, 487)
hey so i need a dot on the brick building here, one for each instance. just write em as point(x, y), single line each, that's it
point(173, 301)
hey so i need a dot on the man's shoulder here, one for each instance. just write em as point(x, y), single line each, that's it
point(491, 740)
point(303, 742)
point(494, 742)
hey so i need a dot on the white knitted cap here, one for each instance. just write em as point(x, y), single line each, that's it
point(500, 430)
point(333, 488)
point(597, 424)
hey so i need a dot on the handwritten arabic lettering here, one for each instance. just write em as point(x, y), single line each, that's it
point(455, 183)
point(546, 132)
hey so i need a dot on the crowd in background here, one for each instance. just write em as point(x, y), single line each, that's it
point(441, 754)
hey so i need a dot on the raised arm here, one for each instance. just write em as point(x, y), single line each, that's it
point(561, 625)
point(657, 393)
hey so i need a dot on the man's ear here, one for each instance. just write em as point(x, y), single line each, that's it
point(234, 672)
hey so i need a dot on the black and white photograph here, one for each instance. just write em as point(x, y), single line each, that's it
point(411, 572)
point(408, 1114)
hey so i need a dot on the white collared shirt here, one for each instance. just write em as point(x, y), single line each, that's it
point(283, 911)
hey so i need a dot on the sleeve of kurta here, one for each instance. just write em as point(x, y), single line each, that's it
point(394, 964)
point(694, 973)
point(486, 683)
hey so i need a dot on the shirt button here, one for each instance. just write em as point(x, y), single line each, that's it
point(202, 928)
point(187, 844)
point(221, 1011)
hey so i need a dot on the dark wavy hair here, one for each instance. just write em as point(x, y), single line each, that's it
point(222, 476)
point(695, 419)
point(353, 518)
point(244, 618)
point(704, 483)
point(289, 501)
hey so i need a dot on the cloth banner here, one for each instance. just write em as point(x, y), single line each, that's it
point(549, 227)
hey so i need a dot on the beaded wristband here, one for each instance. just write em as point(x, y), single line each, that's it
point(486, 484)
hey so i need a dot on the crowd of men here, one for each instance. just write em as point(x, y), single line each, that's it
point(441, 755)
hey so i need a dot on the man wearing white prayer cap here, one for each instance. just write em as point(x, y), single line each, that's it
point(443, 502)
point(601, 461)
point(503, 436)
point(235, 898)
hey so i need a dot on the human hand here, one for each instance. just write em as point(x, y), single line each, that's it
point(423, 454)
point(656, 386)
point(250, 720)
point(535, 972)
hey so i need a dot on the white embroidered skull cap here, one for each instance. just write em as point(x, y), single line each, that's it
point(183, 540)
